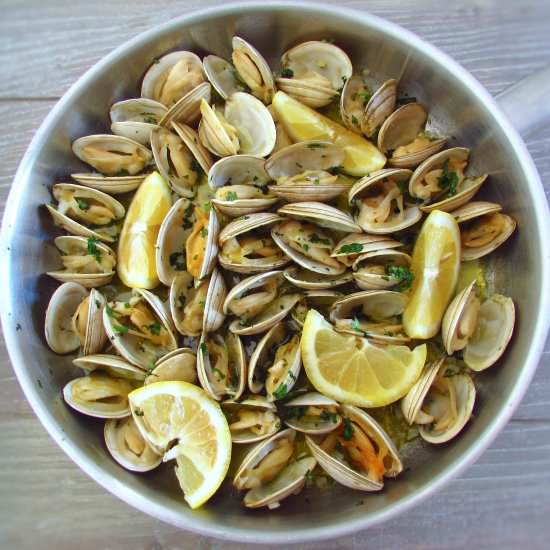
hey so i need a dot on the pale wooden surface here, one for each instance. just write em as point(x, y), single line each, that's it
point(46, 502)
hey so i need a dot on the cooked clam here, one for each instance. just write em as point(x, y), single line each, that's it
point(275, 363)
point(112, 155)
point(215, 132)
point(379, 106)
point(112, 185)
point(251, 419)
point(135, 118)
point(86, 212)
point(383, 270)
point(113, 365)
point(380, 202)
point(187, 303)
point(178, 365)
point(201, 246)
point(323, 215)
point(127, 446)
point(312, 413)
point(351, 246)
point(85, 261)
point(358, 454)
point(223, 76)
point(187, 109)
point(318, 299)
point(88, 324)
point(309, 280)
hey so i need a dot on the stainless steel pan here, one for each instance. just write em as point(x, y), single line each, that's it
point(459, 105)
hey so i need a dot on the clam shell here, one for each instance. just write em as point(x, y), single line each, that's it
point(474, 209)
point(313, 425)
point(58, 324)
point(114, 433)
point(222, 76)
point(238, 170)
point(182, 285)
point(379, 107)
point(309, 90)
point(187, 109)
point(247, 223)
point(134, 130)
point(309, 280)
point(178, 365)
point(351, 246)
point(471, 187)
point(95, 336)
point(192, 142)
point(112, 185)
point(253, 403)
point(373, 281)
point(138, 109)
point(73, 245)
point(320, 214)
point(211, 250)
point(213, 308)
point(216, 134)
point(113, 365)
point(123, 146)
point(351, 109)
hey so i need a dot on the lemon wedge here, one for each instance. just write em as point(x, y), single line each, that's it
point(177, 411)
point(136, 263)
point(435, 266)
point(303, 123)
point(353, 371)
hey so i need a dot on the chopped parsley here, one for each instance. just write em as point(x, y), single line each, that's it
point(296, 412)
point(403, 187)
point(138, 412)
point(149, 118)
point(354, 120)
point(316, 239)
point(348, 429)
point(154, 328)
point(123, 172)
point(231, 196)
point(335, 170)
point(109, 310)
point(83, 204)
point(219, 374)
point(287, 73)
point(280, 392)
point(204, 349)
point(402, 274)
point(327, 416)
point(120, 329)
point(448, 180)
point(305, 246)
point(93, 250)
point(352, 248)
point(187, 215)
point(177, 261)
point(365, 96)
point(204, 232)
point(355, 325)
point(206, 207)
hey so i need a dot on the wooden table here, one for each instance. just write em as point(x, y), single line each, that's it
point(47, 502)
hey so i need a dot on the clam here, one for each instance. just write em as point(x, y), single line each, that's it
point(353, 245)
point(271, 471)
point(240, 183)
point(259, 302)
point(483, 228)
point(322, 215)
point(251, 419)
point(223, 76)
point(88, 324)
point(172, 76)
point(353, 100)
point(178, 365)
point(140, 329)
point(112, 155)
point(358, 454)
point(302, 172)
point(441, 402)
point(216, 134)
point(314, 72)
point(253, 69)
point(187, 109)
point(176, 161)
point(197, 308)
point(379, 107)
point(441, 183)
point(63, 304)
point(309, 280)
point(221, 365)
point(375, 314)
point(402, 135)
point(312, 413)
point(308, 245)
point(113, 365)
point(380, 202)
point(247, 246)
point(275, 363)
point(127, 446)
point(482, 329)
point(85, 261)
point(383, 270)
point(201, 246)
point(99, 395)
point(135, 118)
point(86, 212)
point(112, 185)
point(320, 300)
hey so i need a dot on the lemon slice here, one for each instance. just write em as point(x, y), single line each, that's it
point(136, 263)
point(303, 123)
point(177, 411)
point(435, 266)
point(353, 371)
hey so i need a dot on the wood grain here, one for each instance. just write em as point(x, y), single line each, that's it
point(47, 502)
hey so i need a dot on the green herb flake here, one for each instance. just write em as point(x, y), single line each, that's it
point(149, 118)
point(177, 261)
point(354, 120)
point(318, 240)
point(231, 196)
point(120, 329)
point(280, 392)
point(83, 204)
point(93, 250)
point(348, 429)
point(448, 180)
point(365, 96)
point(204, 232)
point(327, 416)
point(356, 325)
point(305, 246)
point(207, 207)
point(138, 412)
point(123, 172)
point(402, 274)
point(154, 328)
point(109, 310)
point(219, 374)
point(403, 187)
point(287, 73)
point(204, 349)
point(296, 412)
point(335, 170)
point(352, 248)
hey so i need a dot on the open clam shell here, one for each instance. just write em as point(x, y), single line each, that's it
point(215, 132)
point(63, 304)
point(88, 324)
point(402, 134)
point(112, 185)
point(383, 270)
point(253, 69)
point(80, 208)
point(221, 365)
point(112, 155)
point(353, 100)
point(319, 299)
point(275, 363)
point(268, 473)
point(363, 430)
point(375, 314)
point(252, 419)
point(222, 75)
point(201, 246)
point(85, 261)
point(139, 344)
point(247, 246)
point(353, 245)
point(138, 109)
point(187, 304)
point(190, 137)
point(379, 107)
point(323, 215)
point(310, 89)
point(128, 447)
point(375, 195)
point(309, 280)
point(238, 170)
point(239, 200)
point(113, 365)
point(312, 413)
point(187, 109)
point(172, 76)
point(213, 308)
point(483, 228)
point(178, 365)
point(99, 395)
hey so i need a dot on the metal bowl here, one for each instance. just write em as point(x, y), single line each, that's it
point(459, 106)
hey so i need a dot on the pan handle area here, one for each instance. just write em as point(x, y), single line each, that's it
point(527, 103)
